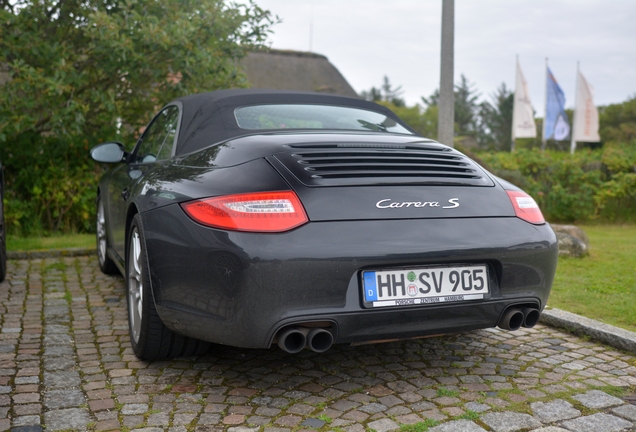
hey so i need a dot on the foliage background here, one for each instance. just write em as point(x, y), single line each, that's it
point(74, 74)
point(80, 73)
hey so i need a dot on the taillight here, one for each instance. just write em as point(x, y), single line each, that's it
point(255, 212)
point(526, 207)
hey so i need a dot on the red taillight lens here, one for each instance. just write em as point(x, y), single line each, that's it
point(526, 207)
point(255, 212)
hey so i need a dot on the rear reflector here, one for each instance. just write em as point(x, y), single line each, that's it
point(525, 207)
point(253, 212)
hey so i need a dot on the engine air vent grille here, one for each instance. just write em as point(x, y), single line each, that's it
point(320, 165)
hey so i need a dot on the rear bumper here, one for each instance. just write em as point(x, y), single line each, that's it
point(240, 288)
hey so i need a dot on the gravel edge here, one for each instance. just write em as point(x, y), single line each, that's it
point(577, 324)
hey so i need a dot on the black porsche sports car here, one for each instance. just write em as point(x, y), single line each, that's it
point(253, 217)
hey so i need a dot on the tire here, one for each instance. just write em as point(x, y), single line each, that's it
point(106, 265)
point(149, 337)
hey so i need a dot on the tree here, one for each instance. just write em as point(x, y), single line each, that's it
point(466, 107)
point(618, 121)
point(422, 121)
point(75, 67)
point(386, 93)
point(71, 71)
point(495, 120)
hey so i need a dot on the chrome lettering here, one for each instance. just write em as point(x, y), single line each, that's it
point(386, 203)
point(454, 202)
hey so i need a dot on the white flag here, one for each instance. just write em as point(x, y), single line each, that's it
point(585, 113)
point(523, 125)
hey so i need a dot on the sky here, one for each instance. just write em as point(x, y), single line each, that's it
point(368, 39)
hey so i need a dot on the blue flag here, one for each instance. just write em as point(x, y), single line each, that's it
point(557, 125)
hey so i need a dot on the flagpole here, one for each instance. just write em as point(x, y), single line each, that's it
point(514, 101)
point(576, 100)
point(545, 116)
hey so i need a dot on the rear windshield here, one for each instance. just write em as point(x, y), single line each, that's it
point(297, 116)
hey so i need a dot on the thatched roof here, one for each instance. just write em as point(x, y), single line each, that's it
point(294, 70)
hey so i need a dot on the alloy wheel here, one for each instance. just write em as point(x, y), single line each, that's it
point(135, 285)
point(101, 233)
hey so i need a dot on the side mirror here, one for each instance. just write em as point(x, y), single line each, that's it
point(109, 152)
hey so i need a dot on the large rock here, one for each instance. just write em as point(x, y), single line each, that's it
point(573, 241)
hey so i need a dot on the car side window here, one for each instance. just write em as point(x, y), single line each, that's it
point(157, 140)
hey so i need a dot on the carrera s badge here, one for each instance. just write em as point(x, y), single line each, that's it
point(386, 203)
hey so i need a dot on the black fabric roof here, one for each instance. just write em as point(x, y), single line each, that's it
point(209, 118)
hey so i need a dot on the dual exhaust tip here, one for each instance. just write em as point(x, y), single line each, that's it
point(515, 318)
point(294, 339)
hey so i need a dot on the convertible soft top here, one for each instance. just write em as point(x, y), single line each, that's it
point(208, 118)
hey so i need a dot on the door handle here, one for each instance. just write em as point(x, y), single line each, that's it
point(125, 194)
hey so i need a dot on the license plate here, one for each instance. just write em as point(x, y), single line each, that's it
point(427, 285)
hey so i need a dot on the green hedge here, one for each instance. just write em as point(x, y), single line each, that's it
point(49, 186)
point(589, 185)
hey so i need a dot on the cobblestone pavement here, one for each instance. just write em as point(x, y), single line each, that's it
point(66, 364)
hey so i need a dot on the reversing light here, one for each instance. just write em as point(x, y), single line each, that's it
point(252, 212)
point(526, 207)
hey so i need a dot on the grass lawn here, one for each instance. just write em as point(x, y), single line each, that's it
point(601, 286)
point(53, 242)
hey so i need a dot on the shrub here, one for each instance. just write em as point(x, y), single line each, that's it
point(616, 200)
point(591, 184)
point(49, 187)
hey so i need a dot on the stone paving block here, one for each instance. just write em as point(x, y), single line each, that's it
point(71, 418)
point(183, 419)
point(26, 420)
point(509, 421)
point(397, 410)
point(372, 408)
point(390, 401)
point(34, 428)
point(597, 423)
point(158, 419)
point(433, 415)
point(105, 425)
point(553, 411)
point(56, 399)
point(597, 399)
point(477, 407)
point(356, 416)
point(313, 423)
point(60, 380)
point(458, 426)
point(408, 419)
point(384, 425)
point(627, 411)
point(132, 409)
point(209, 419)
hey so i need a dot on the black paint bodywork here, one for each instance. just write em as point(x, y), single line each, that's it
point(240, 288)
